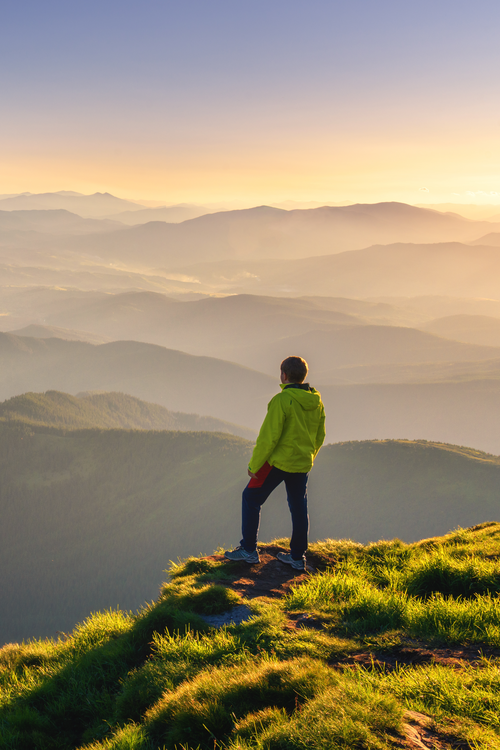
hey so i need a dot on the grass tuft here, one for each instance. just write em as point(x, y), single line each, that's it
point(283, 680)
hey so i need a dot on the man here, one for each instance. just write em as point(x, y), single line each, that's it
point(291, 435)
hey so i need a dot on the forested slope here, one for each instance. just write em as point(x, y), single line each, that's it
point(90, 518)
point(107, 410)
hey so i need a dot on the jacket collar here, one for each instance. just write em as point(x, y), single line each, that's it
point(302, 386)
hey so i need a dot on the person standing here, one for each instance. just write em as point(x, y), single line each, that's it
point(291, 435)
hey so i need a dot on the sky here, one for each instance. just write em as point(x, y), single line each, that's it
point(254, 102)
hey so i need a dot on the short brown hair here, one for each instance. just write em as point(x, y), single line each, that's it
point(295, 369)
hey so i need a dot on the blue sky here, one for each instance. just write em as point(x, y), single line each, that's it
point(212, 101)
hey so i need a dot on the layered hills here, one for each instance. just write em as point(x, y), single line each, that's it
point(398, 269)
point(387, 391)
point(231, 236)
point(265, 232)
point(259, 331)
point(96, 205)
point(173, 379)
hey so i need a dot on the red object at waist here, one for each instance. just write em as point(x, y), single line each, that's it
point(261, 475)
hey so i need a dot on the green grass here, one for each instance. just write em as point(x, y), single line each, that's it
point(163, 678)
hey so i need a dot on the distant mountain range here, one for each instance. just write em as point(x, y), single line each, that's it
point(52, 332)
point(400, 269)
point(29, 224)
point(170, 214)
point(265, 232)
point(96, 205)
point(232, 236)
point(469, 210)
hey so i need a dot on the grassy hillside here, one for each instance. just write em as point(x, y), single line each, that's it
point(380, 647)
point(107, 410)
point(90, 518)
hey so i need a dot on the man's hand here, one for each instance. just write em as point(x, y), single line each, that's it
point(251, 474)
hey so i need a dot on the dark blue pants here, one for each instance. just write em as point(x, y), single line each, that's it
point(296, 492)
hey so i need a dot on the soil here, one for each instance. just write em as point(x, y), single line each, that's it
point(269, 578)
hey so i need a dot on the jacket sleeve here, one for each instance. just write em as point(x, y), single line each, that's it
point(269, 434)
point(321, 432)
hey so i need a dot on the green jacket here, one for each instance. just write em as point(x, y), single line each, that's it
point(293, 431)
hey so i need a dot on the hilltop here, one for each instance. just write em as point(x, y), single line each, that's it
point(385, 646)
point(91, 518)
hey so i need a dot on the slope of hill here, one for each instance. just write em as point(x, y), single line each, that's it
point(107, 410)
point(471, 329)
point(492, 239)
point(386, 646)
point(90, 518)
point(177, 381)
point(53, 332)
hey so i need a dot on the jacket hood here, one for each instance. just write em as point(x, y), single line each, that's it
point(308, 399)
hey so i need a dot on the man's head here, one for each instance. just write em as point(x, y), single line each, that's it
point(294, 369)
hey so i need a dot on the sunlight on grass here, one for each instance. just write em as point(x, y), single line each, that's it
point(285, 679)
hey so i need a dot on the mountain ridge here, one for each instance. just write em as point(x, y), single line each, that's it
point(107, 411)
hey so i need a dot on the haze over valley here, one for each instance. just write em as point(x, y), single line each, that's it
point(370, 294)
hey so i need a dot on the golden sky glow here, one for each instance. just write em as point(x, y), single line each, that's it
point(331, 104)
